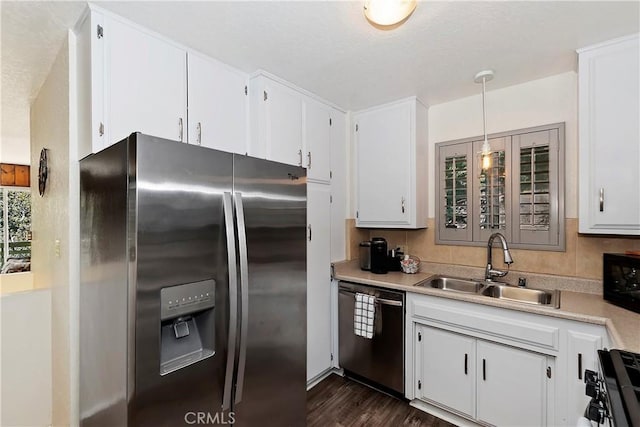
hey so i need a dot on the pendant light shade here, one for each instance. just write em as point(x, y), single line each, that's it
point(485, 153)
point(388, 13)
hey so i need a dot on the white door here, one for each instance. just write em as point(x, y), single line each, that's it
point(217, 105)
point(447, 369)
point(283, 123)
point(145, 84)
point(317, 139)
point(318, 280)
point(582, 354)
point(512, 386)
point(339, 185)
point(383, 139)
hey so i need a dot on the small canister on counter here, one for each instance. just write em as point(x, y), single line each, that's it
point(365, 255)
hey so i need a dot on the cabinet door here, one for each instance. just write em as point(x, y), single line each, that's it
point(318, 280)
point(609, 132)
point(383, 144)
point(454, 192)
point(447, 367)
point(317, 140)
point(582, 354)
point(217, 105)
point(283, 123)
point(145, 84)
point(512, 386)
point(339, 185)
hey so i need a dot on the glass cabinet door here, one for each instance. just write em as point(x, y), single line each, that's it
point(492, 190)
point(454, 190)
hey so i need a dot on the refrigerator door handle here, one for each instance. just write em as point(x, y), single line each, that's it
point(244, 294)
point(233, 299)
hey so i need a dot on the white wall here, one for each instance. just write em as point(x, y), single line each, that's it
point(538, 102)
point(55, 222)
point(15, 150)
point(26, 358)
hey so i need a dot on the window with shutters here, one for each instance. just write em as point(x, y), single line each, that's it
point(518, 190)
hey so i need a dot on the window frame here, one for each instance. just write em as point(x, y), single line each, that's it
point(5, 189)
point(511, 140)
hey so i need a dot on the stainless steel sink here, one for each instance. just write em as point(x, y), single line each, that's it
point(454, 284)
point(530, 296)
point(494, 290)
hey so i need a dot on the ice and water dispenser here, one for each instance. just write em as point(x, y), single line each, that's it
point(187, 324)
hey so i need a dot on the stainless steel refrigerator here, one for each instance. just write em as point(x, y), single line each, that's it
point(193, 287)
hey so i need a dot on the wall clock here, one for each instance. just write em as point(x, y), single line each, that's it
point(43, 172)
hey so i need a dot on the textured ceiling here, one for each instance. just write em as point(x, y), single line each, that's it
point(329, 48)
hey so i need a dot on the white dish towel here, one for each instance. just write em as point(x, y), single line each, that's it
point(364, 315)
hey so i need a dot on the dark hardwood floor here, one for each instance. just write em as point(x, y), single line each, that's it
point(341, 402)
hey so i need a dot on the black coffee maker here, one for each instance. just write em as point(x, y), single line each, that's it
point(379, 264)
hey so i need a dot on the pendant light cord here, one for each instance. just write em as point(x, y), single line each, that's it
point(484, 112)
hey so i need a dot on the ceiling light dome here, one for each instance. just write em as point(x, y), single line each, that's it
point(386, 13)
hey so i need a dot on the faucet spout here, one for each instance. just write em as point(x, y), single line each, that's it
point(490, 272)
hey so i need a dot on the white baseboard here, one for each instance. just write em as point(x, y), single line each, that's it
point(318, 378)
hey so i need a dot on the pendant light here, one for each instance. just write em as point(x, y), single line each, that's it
point(388, 14)
point(485, 153)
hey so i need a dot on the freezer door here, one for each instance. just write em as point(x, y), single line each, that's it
point(270, 200)
point(179, 196)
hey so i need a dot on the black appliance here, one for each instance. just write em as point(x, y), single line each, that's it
point(615, 393)
point(621, 280)
point(379, 264)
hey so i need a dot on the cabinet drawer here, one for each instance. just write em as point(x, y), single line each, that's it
point(486, 325)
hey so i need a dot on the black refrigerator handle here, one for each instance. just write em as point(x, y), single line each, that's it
point(233, 299)
point(244, 293)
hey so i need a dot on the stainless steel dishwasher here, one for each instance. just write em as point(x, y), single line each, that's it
point(379, 360)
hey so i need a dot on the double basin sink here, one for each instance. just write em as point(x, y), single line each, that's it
point(494, 290)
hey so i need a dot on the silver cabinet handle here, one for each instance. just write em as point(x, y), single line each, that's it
point(300, 158)
point(309, 227)
point(244, 294)
point(382, 301)
point(180, 128)
point(199, 130)
point(402, 204)
point(233, 299)
point(309, 160)
point(601, 199)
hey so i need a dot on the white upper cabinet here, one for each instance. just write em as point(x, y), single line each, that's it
point(317, 140)
point(391, 165)
point(145, 84)
point(276, 121)
point(217, 105)
point(609, 134)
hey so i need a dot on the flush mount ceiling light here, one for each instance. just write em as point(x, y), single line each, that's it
point(388, 14)
point(485, 153)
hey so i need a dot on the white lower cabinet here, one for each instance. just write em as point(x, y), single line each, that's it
point(492, 383)
point(474, 364)
point(446, 369)
point(512, 385)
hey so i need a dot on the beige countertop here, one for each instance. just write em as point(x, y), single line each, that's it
point(623, 325)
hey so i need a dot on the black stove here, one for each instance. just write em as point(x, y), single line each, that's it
point(616, 393)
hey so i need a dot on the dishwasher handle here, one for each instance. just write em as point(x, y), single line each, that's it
point(382, 301)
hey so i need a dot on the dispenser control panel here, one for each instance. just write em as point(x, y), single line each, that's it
point(188, 298)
